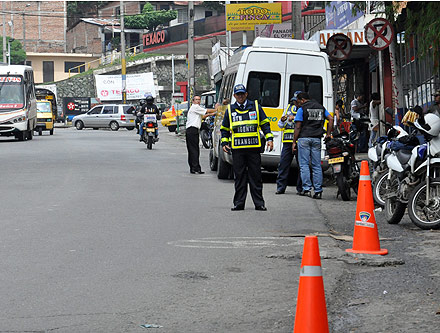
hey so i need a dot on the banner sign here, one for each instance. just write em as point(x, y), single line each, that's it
point(109, 87)
point(73, 106)
point(357, 36)
point(283, 30)
point(244, 16)
point(339, 14)
point(155, 38)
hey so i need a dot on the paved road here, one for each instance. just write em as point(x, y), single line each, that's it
point(101, 235)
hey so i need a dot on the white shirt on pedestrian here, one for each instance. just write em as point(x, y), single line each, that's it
point(374, 114)
point(194, 118)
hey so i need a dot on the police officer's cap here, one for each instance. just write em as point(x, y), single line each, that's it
point(295, 96)
point(239, 88)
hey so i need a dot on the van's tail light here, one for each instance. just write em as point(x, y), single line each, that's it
point(164, 117)
point(123, 117)
point(150, 125)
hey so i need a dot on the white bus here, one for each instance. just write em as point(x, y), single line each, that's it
point(272, 70)
point(18, 105)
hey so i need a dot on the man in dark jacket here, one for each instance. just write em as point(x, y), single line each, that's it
point(240, 131)
point(309, 128)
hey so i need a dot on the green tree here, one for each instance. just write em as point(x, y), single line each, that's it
point(150, 18)
point(17, 53)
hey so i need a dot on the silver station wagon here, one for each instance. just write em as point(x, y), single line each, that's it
point(111, 116)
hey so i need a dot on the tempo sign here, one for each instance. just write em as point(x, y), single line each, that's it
point(245, 16)
point(109, 87)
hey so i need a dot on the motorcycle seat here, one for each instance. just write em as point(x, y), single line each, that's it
point(403, 156)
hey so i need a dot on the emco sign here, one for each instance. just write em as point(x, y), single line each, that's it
point(155, 38)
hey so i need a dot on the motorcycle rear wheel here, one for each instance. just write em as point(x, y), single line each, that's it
point(394, 209)
point(343, 187)
point(150, 142)
point(379, 189)
point(425, 217)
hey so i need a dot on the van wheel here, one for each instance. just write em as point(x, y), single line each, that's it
point(114, 126)
point(213, 161)
point(172, 128)
point(223, 168)
point(40, 131)
point(130, 128)
point(79, 125)
point(51, 132)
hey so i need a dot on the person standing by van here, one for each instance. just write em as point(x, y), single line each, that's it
point(309, 122)
point(194, 120)
point(240, 131)
point(287, 125)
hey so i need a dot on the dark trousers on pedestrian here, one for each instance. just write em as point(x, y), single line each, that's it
point(192, 144)
point(247, 169)
point(284, 168)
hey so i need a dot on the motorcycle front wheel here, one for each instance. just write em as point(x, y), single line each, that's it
point(343, 187)
point(425, 216)
point(394, 209)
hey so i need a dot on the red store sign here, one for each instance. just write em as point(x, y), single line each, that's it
point(155, 38)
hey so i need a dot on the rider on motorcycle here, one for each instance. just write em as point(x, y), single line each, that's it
point(148, 108)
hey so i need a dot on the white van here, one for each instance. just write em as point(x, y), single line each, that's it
point(18, 104)
point(272, 70)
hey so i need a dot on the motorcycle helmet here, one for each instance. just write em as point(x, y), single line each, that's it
point(429, 124)
point(149, 98)
point(141, 102)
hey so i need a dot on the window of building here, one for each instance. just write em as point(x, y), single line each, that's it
point(208, 13)
point(117, 11)
point(48, 71)
point(72, 65)
point(164, 7)
point(182, 15)
point(264, 87)
point(310, 84)
point(28, 63)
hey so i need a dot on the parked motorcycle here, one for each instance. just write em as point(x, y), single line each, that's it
point(149, 130)
point(206, 132)
point(413, 178)
point(341, 155)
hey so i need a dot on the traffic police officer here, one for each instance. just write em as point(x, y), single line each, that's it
point(287, 125)
point(243, 120)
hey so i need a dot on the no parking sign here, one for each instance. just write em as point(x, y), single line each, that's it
point(379, 34)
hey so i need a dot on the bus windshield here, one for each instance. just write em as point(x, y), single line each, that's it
point(11, 92)
point(43, 106)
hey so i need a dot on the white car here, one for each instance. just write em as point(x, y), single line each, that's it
point(111, 116)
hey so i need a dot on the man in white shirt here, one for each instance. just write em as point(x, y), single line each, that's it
point(193, 122)
point(374, 117)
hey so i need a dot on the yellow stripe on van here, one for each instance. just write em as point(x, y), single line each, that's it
point(274, 116)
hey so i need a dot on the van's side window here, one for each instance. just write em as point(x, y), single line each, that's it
point(310, 84)
point(264, 87)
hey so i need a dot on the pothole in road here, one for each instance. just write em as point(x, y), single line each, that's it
point(237, 242)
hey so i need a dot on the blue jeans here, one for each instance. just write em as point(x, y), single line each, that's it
point(373, 135)
point(309, 151)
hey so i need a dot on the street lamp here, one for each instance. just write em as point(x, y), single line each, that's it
point(24, 31)
point(9, 49)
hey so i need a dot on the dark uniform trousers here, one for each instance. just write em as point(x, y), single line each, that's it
point(284, 168)
point(192, 144)
point(247, 168)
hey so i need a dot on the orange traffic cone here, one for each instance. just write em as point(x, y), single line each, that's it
point(311, 311)
point(173, 112)
point(366, 236)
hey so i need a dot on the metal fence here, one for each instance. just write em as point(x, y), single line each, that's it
point(419, 78)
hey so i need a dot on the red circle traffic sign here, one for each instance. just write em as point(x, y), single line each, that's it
point(339, 47)
point(379, 34)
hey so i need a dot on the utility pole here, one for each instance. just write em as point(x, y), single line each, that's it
point(296, 20)
point(191, 72)
point(123, 65)
point(4, 33)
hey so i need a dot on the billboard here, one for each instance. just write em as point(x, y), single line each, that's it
point(109, 87)
point(283, 30)
point(244, 16)
point(339, 14)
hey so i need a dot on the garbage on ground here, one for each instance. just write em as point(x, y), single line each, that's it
point(151, 326)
